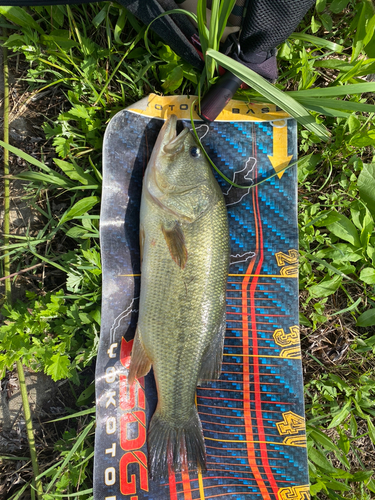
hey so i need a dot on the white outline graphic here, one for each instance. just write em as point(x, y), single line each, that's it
point(200, 126)
point(247, 256)
point(246, 177)
point(119, 318)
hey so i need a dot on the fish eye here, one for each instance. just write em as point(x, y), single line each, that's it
point(195, 152)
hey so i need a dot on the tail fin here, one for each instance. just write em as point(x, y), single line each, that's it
point(175, 447)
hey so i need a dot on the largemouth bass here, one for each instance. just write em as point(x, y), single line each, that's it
point(184, 243)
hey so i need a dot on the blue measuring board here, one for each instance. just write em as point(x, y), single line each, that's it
point(253, 416)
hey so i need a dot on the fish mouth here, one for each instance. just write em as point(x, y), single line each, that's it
point(172, 143)
point(167, 144)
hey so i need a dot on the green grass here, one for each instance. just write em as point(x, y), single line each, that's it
point(97, 55)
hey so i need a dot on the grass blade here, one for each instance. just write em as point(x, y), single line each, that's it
point(74, 415)
point(353, 88)
point(281, 99)
point(337, 104)
point(318, 42)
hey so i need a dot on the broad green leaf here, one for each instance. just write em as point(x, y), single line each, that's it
point(364, 138)
point(320, 5)
point(100, 16)
point(369, 31)
point(306, 165)
point(338, 6)
point(353, 124)
point(315, 24)
point(323, 440)
point(319, 459)
point(370, 250)
point(368, 275)
point(324, 218)
point(61, 38)
point(85, 395)
point(327, 21)
point(173, 79)
point(371, 485)
point(96, 316)
point(77, 232)
point(272, 93)
point(367, 318)
point(341, 384)
point(303, 320)
point(74, 172)
point(318, 486)
point(20, 17)
point(326, 287)
point(360, 34)
point(346, 230)
point(80, 208)
point(362, 475)
point(344, 445)
point(341, 252)
point(366, 186)
point(341, 415)
point(336, 485)
point(353, 426)
point(58, 366)
point(367, 229)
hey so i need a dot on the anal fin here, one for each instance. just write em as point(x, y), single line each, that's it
point(212, 360)
point(140, 363)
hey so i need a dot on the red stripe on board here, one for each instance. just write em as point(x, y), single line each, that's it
point(246, 369)
point(266, 315)
point(172, 486)
point(186, 485)
point(256, 372)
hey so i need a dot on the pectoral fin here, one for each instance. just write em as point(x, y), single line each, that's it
point(175, 240)
point(140, 363)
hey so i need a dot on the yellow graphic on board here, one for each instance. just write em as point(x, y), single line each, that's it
point(280, 158)
point(286, 339)
point(160, 107)
point(294, 493)
point(299, 441)
point(291, 353)
point(288, 263)
point(291, 424)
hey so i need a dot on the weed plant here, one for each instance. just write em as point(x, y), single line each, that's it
point(97, 56)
